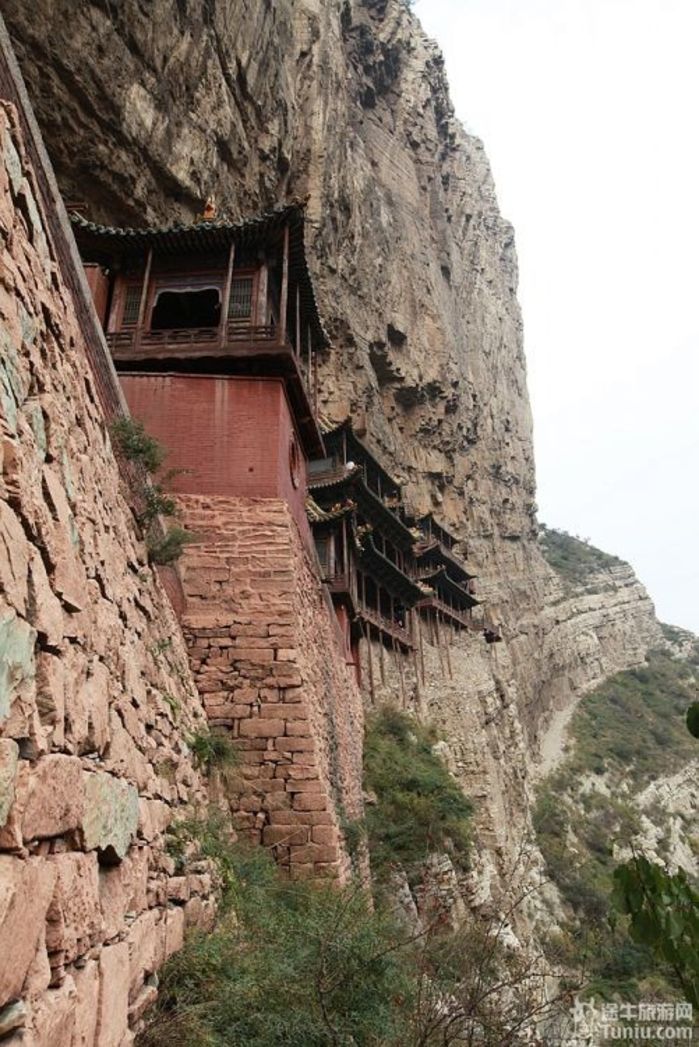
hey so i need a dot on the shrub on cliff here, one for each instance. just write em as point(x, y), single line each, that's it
point(304, 965)
point(420, 808)
point(296, 964)
point(142, 450)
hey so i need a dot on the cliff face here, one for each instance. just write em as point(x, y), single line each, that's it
point(145, 114)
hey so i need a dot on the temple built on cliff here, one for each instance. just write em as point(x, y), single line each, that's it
point(215, 333)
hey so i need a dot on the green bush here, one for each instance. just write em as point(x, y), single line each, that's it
point(212, 749)
point(419, 807)
point(168, 547)
point(631, 730)
point(136, 445)
point(298, 964)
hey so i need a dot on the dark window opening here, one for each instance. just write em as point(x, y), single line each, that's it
point(176, 309)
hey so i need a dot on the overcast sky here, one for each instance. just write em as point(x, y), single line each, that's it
point(588, 111)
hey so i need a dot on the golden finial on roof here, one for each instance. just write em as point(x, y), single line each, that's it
point(209, 212)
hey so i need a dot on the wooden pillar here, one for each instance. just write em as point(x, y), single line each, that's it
point(226, 299)
point(370, 661)
point(284, 301)
point(298, 321)
point(381, 650)
point(447, 638)
point(144, 297)
point(309, 365)
point(422, 648)
point(399, 661)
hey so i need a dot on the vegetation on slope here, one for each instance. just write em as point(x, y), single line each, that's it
point(299, 964)
point(574, 558)
point(629, 732)
point(419, 808)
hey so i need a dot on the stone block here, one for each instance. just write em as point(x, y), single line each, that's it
point(314, 852)
point(17, 672)
point(55, 799)
point(110, 816)
point(310, 802)
point(261, 728)
point(46, 609)
point(123, 888)
point(288, 835)
point(146, 942)
point(325, 834)
point(253, 655)
point(53, 1016)
point(74, 919)
point(26, 889)
point(113, 1002)
point(14, 559)
point(174, 931)
point(87, 985)
point(177, 889)
point(298, 728)
point(9, 759)
point(295, 745)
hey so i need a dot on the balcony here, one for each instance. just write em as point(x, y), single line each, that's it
point(237, 340)
point(386, 626)
point(461, 618)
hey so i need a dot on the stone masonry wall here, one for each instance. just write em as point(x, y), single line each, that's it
point(269, 661)
point(96, 697)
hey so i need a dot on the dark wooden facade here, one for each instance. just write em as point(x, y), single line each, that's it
point(386, 570)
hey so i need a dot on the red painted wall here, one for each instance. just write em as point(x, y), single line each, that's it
point(233, 435)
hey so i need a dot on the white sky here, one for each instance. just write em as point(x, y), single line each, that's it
point(589, 114)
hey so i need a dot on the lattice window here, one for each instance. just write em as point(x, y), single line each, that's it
point(240, 306)
point(132, 303)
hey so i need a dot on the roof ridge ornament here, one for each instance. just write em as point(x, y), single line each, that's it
point(210, 210)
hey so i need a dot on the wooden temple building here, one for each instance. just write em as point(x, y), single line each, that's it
point(215, 334)
point(386, 571)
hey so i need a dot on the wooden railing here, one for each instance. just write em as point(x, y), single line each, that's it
point(386, 625)
point(462, 617)
point(237, 334)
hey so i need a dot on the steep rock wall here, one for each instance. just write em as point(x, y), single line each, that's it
point(147, 112)
point(96, 698)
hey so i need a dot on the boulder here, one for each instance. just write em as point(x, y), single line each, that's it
point(17, 669)
point(113, 1005)
point(74, 916)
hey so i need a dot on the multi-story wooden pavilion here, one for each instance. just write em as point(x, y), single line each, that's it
point(439, 566)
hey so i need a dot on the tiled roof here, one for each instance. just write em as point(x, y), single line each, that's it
point(209, 236)
point(316, 514)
